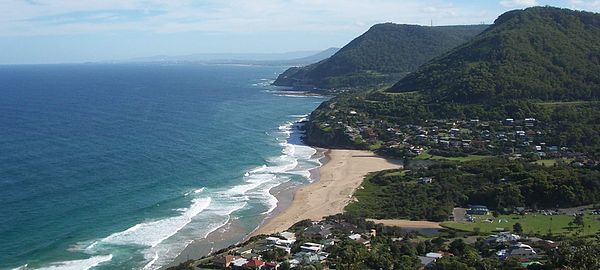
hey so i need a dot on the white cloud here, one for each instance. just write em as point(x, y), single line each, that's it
point(518, 3)
point(245, 16)
point(591, 5)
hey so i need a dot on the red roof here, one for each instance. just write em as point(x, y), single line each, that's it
point(254, 263)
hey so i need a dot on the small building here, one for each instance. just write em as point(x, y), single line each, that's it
point(478, 210)
point(288, 235)
point(425, 180)
point(360, 239)
point(434, 255)
point(547, 244)
point(254, 264)
point(355, 236)
point(518, 251)
point(427, 262)
point(503, 237)
point(270, 266)
point(224, 261)
point(318, 230)
point(311, 247)
point(238, 263)
point(530, 122)
point(244, 250)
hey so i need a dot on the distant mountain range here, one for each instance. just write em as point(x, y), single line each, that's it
point(383, 54)
point(280, 59)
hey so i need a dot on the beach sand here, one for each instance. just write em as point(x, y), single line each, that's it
point(339, 178)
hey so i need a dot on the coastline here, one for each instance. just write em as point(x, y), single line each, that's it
point(340, 176)
point(331, 189)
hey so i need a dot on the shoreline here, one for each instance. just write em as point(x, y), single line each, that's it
point(331, 189)
point(340, 176)
point(234, 232)
point(286, 192)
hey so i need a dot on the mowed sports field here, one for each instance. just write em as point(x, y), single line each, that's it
point(531, 224)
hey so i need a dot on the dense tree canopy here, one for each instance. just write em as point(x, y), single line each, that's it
point(385, 52)
point(497, 182)
point(539, 53)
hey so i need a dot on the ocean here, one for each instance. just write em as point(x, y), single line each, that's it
point(122, 166)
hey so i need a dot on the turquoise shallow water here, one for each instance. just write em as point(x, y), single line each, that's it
point(119, 166)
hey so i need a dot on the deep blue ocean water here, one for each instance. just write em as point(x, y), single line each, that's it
point(120, 166)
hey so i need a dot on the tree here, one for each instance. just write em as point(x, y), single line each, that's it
point(517, 228)
point(578, 220)
point(285, 266)
point(457, 247)
point(450, 263)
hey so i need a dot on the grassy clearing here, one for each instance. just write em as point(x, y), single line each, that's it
point(426, 155)
point(367, 196)
point(566, 103)
point(392, 174)
point(551, 162)
point(531, 223)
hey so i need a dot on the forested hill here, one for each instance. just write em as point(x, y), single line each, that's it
point(384, 53)
point(541, 53)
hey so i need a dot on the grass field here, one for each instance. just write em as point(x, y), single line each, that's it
point(426, 155)
point(531, 223)
point(551, 162)
point(398, 173)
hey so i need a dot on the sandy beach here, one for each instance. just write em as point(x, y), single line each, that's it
point(339, 178)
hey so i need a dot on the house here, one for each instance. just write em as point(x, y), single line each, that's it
point(318, 230)
point(425, 180)
point(434, 255)
point(270, 266)
point(254, 264)
point(547, 244)
point(530, 122)
point(224, 261)
point(359, 238)
point(308, 258)
point(281, 243)
point(477, 210)
point(238, 264)
point(311, 247)
point(426, 262)
point(503, 237)
point(518, 251)
point(244, 250)
point(288, 235)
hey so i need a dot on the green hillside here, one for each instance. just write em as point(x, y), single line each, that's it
point(385, 53)
point(538, 53)
point(539, 63)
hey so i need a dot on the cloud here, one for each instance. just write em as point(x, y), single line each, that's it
point(591, 5)
point(52, 17)
point(518, 3)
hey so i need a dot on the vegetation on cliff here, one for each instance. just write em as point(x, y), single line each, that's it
point(383, 54)
point(539, 53)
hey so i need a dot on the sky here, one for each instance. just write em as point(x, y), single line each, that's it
point(66, 31)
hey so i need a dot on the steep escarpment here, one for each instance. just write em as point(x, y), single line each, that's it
point(383, 54)
point(541, 53)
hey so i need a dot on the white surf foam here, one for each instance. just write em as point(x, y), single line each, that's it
point(78, 264)
point(154, 232)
